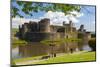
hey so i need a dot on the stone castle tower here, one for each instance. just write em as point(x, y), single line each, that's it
point(44, 25)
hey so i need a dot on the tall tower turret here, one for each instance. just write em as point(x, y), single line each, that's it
point(19, 28)
point(81, 29)
point(24, 29)
point(70, 25)
point(44, 25)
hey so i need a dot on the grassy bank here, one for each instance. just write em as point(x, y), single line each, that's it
point(75, 57)
point(87, 56)
point(27, 59)
point(15, 41)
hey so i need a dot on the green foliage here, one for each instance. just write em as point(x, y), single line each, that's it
point(13, 64)
point(19, 42)
point(28, 7)
point(92, 44)
point(14, 30)
point(93, 35)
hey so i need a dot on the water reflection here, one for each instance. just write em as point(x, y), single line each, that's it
point(15, 51)
point(86, 47)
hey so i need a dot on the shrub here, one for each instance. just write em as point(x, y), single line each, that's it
point(92, 44)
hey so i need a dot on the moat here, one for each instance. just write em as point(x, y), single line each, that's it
point(15, 51)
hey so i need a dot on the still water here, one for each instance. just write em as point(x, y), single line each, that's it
point(15, 51)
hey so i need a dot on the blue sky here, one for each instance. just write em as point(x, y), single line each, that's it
point(87, 17)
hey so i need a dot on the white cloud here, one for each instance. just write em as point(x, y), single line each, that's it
point(73, 18)
point(57, 18)
point(77, 13)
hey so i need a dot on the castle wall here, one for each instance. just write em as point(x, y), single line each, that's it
point(36, 37)
point(33, 26)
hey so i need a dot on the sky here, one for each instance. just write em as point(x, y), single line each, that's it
point(85, 17)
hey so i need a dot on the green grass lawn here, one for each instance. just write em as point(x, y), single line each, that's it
point(86, 56)
point(75, 57)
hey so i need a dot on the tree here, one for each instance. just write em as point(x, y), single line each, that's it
point(29, 7)
point(92, 44)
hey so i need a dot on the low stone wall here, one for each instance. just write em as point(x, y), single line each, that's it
point(36, 37)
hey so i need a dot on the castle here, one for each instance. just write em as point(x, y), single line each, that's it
point(35, 32)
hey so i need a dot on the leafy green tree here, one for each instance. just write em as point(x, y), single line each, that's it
point(29, 7)
point(92, 44)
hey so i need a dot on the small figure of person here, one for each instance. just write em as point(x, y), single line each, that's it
point(54, 54)
point(71, 50)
